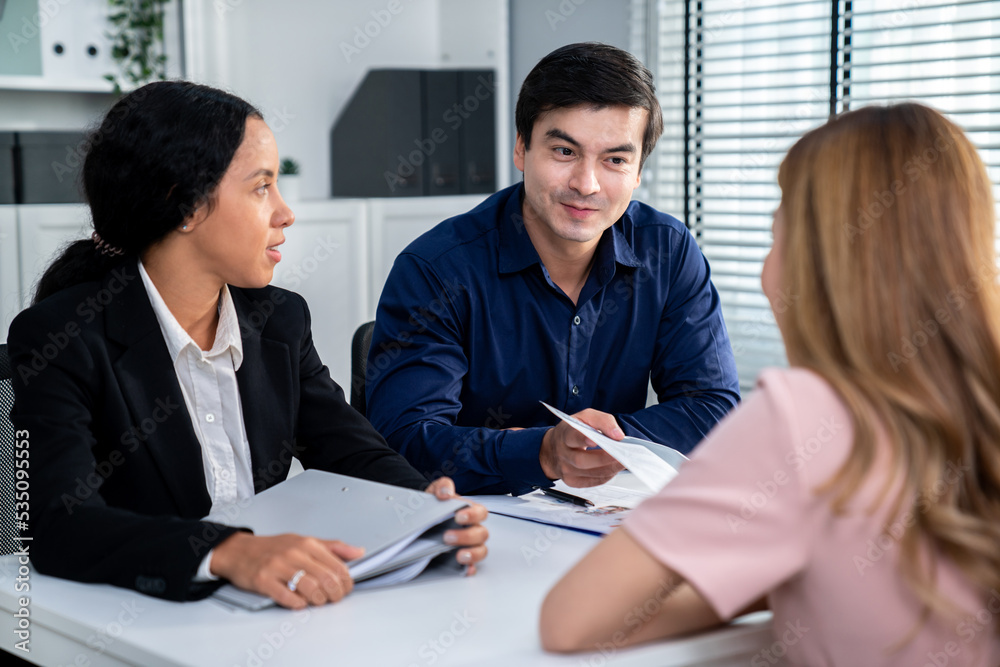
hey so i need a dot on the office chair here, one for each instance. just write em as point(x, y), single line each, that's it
point(8, 531)
point(359, 365)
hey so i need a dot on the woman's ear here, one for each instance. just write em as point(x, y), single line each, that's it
point(195, 217)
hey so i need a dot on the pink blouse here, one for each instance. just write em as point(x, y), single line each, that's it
point(742, 521)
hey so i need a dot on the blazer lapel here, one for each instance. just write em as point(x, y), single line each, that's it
point(267, 394)
point(153, 394)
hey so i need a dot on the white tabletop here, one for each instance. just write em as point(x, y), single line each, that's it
point(488, 619)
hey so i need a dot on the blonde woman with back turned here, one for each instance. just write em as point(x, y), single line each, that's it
point(857, 493)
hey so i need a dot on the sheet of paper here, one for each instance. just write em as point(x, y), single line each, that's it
point(649, 468)
point(397, 576)
point(536, 506)
point(610, 493)
point(673, 457)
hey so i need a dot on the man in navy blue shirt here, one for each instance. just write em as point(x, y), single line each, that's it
point(558, 289)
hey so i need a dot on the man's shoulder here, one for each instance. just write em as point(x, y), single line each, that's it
point(642, 216)
point(464, 235)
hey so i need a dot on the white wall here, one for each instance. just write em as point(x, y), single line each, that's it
point(299, 64)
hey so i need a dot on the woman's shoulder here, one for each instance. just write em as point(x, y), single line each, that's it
point(77, 304)
point(815, 421)
point(798, 386)
point(83, 304)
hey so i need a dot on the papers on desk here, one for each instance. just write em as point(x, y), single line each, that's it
point(401, 529)
point(654, 464)
point(649, 467)
point(612, 501)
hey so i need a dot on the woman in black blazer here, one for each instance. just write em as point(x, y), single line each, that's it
point(158, 377)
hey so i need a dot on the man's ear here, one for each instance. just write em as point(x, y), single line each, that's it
point(519, 150)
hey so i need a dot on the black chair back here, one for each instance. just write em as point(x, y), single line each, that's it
point(8, 527)
point(360, 344)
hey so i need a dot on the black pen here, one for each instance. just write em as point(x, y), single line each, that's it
point(568, 497)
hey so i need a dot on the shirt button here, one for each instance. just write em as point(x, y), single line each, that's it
point(576, 320)
point(203, 361)
point(576, 390)
point(211, 418)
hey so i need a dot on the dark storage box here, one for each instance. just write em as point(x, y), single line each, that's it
point(7, 168)
point(407, 133)
point(50, 167)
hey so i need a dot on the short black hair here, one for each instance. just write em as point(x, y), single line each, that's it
point(589, 74)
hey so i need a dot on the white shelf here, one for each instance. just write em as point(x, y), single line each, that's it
point(49, 84)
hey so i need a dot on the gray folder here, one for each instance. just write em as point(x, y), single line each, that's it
point(379, 517)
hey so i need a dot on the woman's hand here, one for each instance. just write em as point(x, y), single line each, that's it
point(266, 565)
point(474, 536)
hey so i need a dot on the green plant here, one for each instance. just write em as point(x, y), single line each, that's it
point(288, 167)
point(137, 42)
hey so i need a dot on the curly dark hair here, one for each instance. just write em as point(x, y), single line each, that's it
point(157, 155)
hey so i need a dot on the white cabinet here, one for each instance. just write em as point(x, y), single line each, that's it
point(10, 269)
point(324, 259)
point(43, 231)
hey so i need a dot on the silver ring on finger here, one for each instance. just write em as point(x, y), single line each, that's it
point(293, 583)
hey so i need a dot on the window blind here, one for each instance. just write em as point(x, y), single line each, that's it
point(739, 81)
point(944, 54)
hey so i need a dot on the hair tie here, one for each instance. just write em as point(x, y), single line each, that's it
point(104, 247)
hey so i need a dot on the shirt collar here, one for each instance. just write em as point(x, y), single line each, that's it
point(622, 249)
point(517, 252)
point(516, 249)
point(227, 334)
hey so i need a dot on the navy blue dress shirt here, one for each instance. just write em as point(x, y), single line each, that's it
point(471, 333)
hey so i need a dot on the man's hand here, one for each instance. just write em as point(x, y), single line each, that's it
point(564, 453)
point(474, 536)
point(265, 565)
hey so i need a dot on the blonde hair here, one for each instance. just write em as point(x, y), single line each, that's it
point(889, 251)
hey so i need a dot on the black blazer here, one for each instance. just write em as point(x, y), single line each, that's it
point(117, 483)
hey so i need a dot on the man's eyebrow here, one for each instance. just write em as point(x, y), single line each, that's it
point(624, 148)
point(259, 172)
point(556, 133)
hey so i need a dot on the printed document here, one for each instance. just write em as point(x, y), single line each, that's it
point(648, 465)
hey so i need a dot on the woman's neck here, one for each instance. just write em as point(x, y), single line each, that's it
point(191, 295)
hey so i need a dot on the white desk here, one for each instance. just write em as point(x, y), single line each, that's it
point(488, 619)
